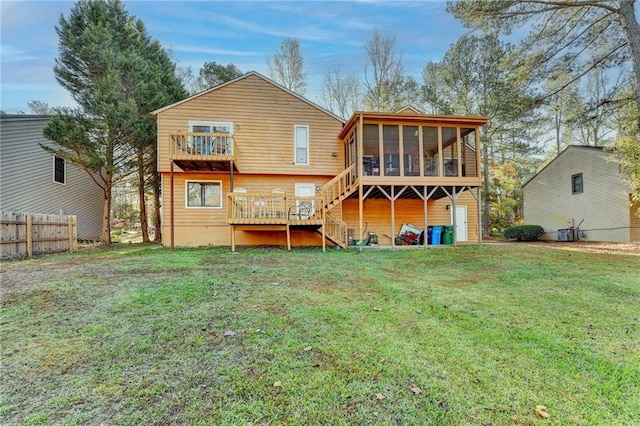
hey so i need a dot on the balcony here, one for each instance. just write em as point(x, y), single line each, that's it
point(193, 151)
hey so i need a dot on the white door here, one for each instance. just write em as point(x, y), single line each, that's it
point(461, 223)
point(305, 208)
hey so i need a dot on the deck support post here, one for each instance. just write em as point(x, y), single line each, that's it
point(231, 176)
point(453, 217)
point(233, 238)
point(425, 234)
point(288, 237)
point(479, 200)
point(172, 212)
point(393, 217)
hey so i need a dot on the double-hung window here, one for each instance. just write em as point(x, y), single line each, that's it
point(576, 184)
point(205, 194)
point(301, 142)
point(59, 170)
point(220, 144)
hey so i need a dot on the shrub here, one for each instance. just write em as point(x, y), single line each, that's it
point(524, 232)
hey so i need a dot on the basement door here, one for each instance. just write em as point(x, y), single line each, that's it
point(461, 223)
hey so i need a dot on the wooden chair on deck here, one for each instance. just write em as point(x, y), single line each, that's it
point(277, 207)
point(240, 201)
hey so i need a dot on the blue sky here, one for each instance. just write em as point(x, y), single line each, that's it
point(242, 32)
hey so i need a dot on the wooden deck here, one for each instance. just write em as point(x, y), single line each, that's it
point(245, 208)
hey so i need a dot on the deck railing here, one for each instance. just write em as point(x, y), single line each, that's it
point(340, 187)
point(252, 208)
point(203, 146)
point(336, 230)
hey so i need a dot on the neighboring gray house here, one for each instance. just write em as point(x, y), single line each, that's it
point(582, 188)
point(33, 180)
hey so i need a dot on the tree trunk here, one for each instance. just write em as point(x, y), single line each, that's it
point(106, 212)
point(142, 202)
point(144, 224)
point(631, 30)
point(157, 189)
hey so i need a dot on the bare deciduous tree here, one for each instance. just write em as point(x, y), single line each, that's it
point(286, 66)
point(387, 86)
point(340, 93)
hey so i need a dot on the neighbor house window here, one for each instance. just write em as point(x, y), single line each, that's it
point(59, 170)
point(301, 135)
point(576, 184)
point(204, 194)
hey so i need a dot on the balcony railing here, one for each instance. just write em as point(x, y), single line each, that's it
point(246, 208)
point(203, 146)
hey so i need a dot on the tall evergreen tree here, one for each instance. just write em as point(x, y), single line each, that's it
point(470, 81)
point(112, 69)
point(213, 74)
point(561, 31)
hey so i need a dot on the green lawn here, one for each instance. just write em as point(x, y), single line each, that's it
point(474, 335)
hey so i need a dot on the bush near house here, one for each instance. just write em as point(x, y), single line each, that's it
point(524, 232)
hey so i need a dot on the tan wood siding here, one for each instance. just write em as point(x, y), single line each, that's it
point(202, 226)
point(263, 117)
point(603, 204)
point(377, 215)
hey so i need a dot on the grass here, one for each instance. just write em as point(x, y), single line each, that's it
point(476, 335)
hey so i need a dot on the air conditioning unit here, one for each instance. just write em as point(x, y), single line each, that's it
point(566, 234)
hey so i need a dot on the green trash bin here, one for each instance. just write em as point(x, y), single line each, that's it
point(447, 235)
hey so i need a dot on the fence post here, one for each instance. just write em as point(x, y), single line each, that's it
point(70, 233)
point(30, 235)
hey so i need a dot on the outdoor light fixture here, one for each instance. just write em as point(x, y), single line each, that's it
point(334, 154)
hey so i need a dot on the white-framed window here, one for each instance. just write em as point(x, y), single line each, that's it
point(211, 145)
point(59, 170)
point(203, 194)
point(301, 144)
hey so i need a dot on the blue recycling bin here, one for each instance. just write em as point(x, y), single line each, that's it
point(436, 233)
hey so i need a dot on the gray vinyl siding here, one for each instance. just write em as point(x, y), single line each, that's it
point(603, 204)
point(26, 178)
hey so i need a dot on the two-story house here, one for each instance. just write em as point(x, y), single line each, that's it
point(249, 162)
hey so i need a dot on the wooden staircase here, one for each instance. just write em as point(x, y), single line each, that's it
point(332, 194)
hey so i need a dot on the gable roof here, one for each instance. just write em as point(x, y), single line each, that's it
point(242, 77)
point(409, 109)
point(595, 148)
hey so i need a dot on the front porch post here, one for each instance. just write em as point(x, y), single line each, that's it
point(233, 238)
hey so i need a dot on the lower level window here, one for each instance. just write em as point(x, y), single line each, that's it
point(204, 194)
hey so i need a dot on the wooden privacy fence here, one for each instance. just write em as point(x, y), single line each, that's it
point(26, 234)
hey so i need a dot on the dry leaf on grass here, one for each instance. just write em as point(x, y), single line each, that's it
point(377, 309)
point(308, 348)
point(229, 333)
point(277, 384)
point(380, 396)
point(541, 411)
point(415, 389)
